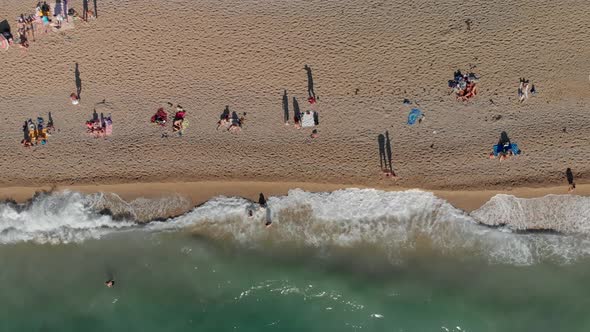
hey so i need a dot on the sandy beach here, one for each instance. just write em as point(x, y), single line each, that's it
point(365, 57)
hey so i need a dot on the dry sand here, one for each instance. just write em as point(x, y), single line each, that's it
point(205, 55)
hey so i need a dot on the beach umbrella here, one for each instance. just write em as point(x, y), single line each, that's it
point(414, 115)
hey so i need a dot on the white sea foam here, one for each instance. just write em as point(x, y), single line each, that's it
point(55, 218)
point(562, 213)
point(393, 223)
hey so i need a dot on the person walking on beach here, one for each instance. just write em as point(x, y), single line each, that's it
point(570, 180)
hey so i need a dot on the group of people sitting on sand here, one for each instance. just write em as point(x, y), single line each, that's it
point(505, 149)
point(231, 121)
point(524, 87)
point(464, 85)
point(43, 19)
point(100, 126)
point(178, 123)
point(307, 119)
point(37, 132)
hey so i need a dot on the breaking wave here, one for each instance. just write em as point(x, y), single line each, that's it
point(391, 223)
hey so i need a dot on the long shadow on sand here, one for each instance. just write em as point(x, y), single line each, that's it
point(385, 160)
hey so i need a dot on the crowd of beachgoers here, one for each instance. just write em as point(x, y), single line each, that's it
point(45, 18)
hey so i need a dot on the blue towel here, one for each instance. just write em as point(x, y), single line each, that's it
point(414, 115)
point(497, 150)
point(514, 148)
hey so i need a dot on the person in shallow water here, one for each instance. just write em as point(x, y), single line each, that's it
point(262, 200)
point(110, 283)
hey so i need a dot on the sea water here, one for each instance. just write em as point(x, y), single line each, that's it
point(352, 260)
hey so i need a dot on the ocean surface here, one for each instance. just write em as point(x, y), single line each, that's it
point(351, 260)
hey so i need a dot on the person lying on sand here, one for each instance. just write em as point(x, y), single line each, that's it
point(314, 134)
point(297, 121)
point(234, 128)
point(74, 98)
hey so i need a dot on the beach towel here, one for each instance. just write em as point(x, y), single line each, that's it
point(108, 129)
point(308, 119)
point(414, 115)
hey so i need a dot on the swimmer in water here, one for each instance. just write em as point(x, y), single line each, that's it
point(110, 283)
point(268, 224)
point(250, 214)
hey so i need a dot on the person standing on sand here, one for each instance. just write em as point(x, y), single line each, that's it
point(85, 10)
point(570, 179)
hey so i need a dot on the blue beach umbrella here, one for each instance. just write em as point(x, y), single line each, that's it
point(414, 115)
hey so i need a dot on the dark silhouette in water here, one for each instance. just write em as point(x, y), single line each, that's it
point(262, 200)
point(310, 90)
point(78, 81)
point(385, 153)
point(285, 107)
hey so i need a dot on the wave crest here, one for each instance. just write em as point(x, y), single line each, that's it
point(390, 223)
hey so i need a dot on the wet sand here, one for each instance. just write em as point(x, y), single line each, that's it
point(200, 192)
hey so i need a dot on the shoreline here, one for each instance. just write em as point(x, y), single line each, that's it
point(202, 191)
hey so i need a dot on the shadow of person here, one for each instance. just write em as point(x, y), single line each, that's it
point(27, 137)
point(385, 155)
point(388, 151)
point(78, 81)
point(296, 110)
point(310, 90)
point(94, 116)
point(95, 9)
point(382, 159)
point(285, 107)
point(85, 10)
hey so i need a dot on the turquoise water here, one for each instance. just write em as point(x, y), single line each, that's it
point(177, 281)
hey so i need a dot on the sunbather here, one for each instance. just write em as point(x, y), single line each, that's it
point(160, 117)
point(314, 134)
point(297, 121)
